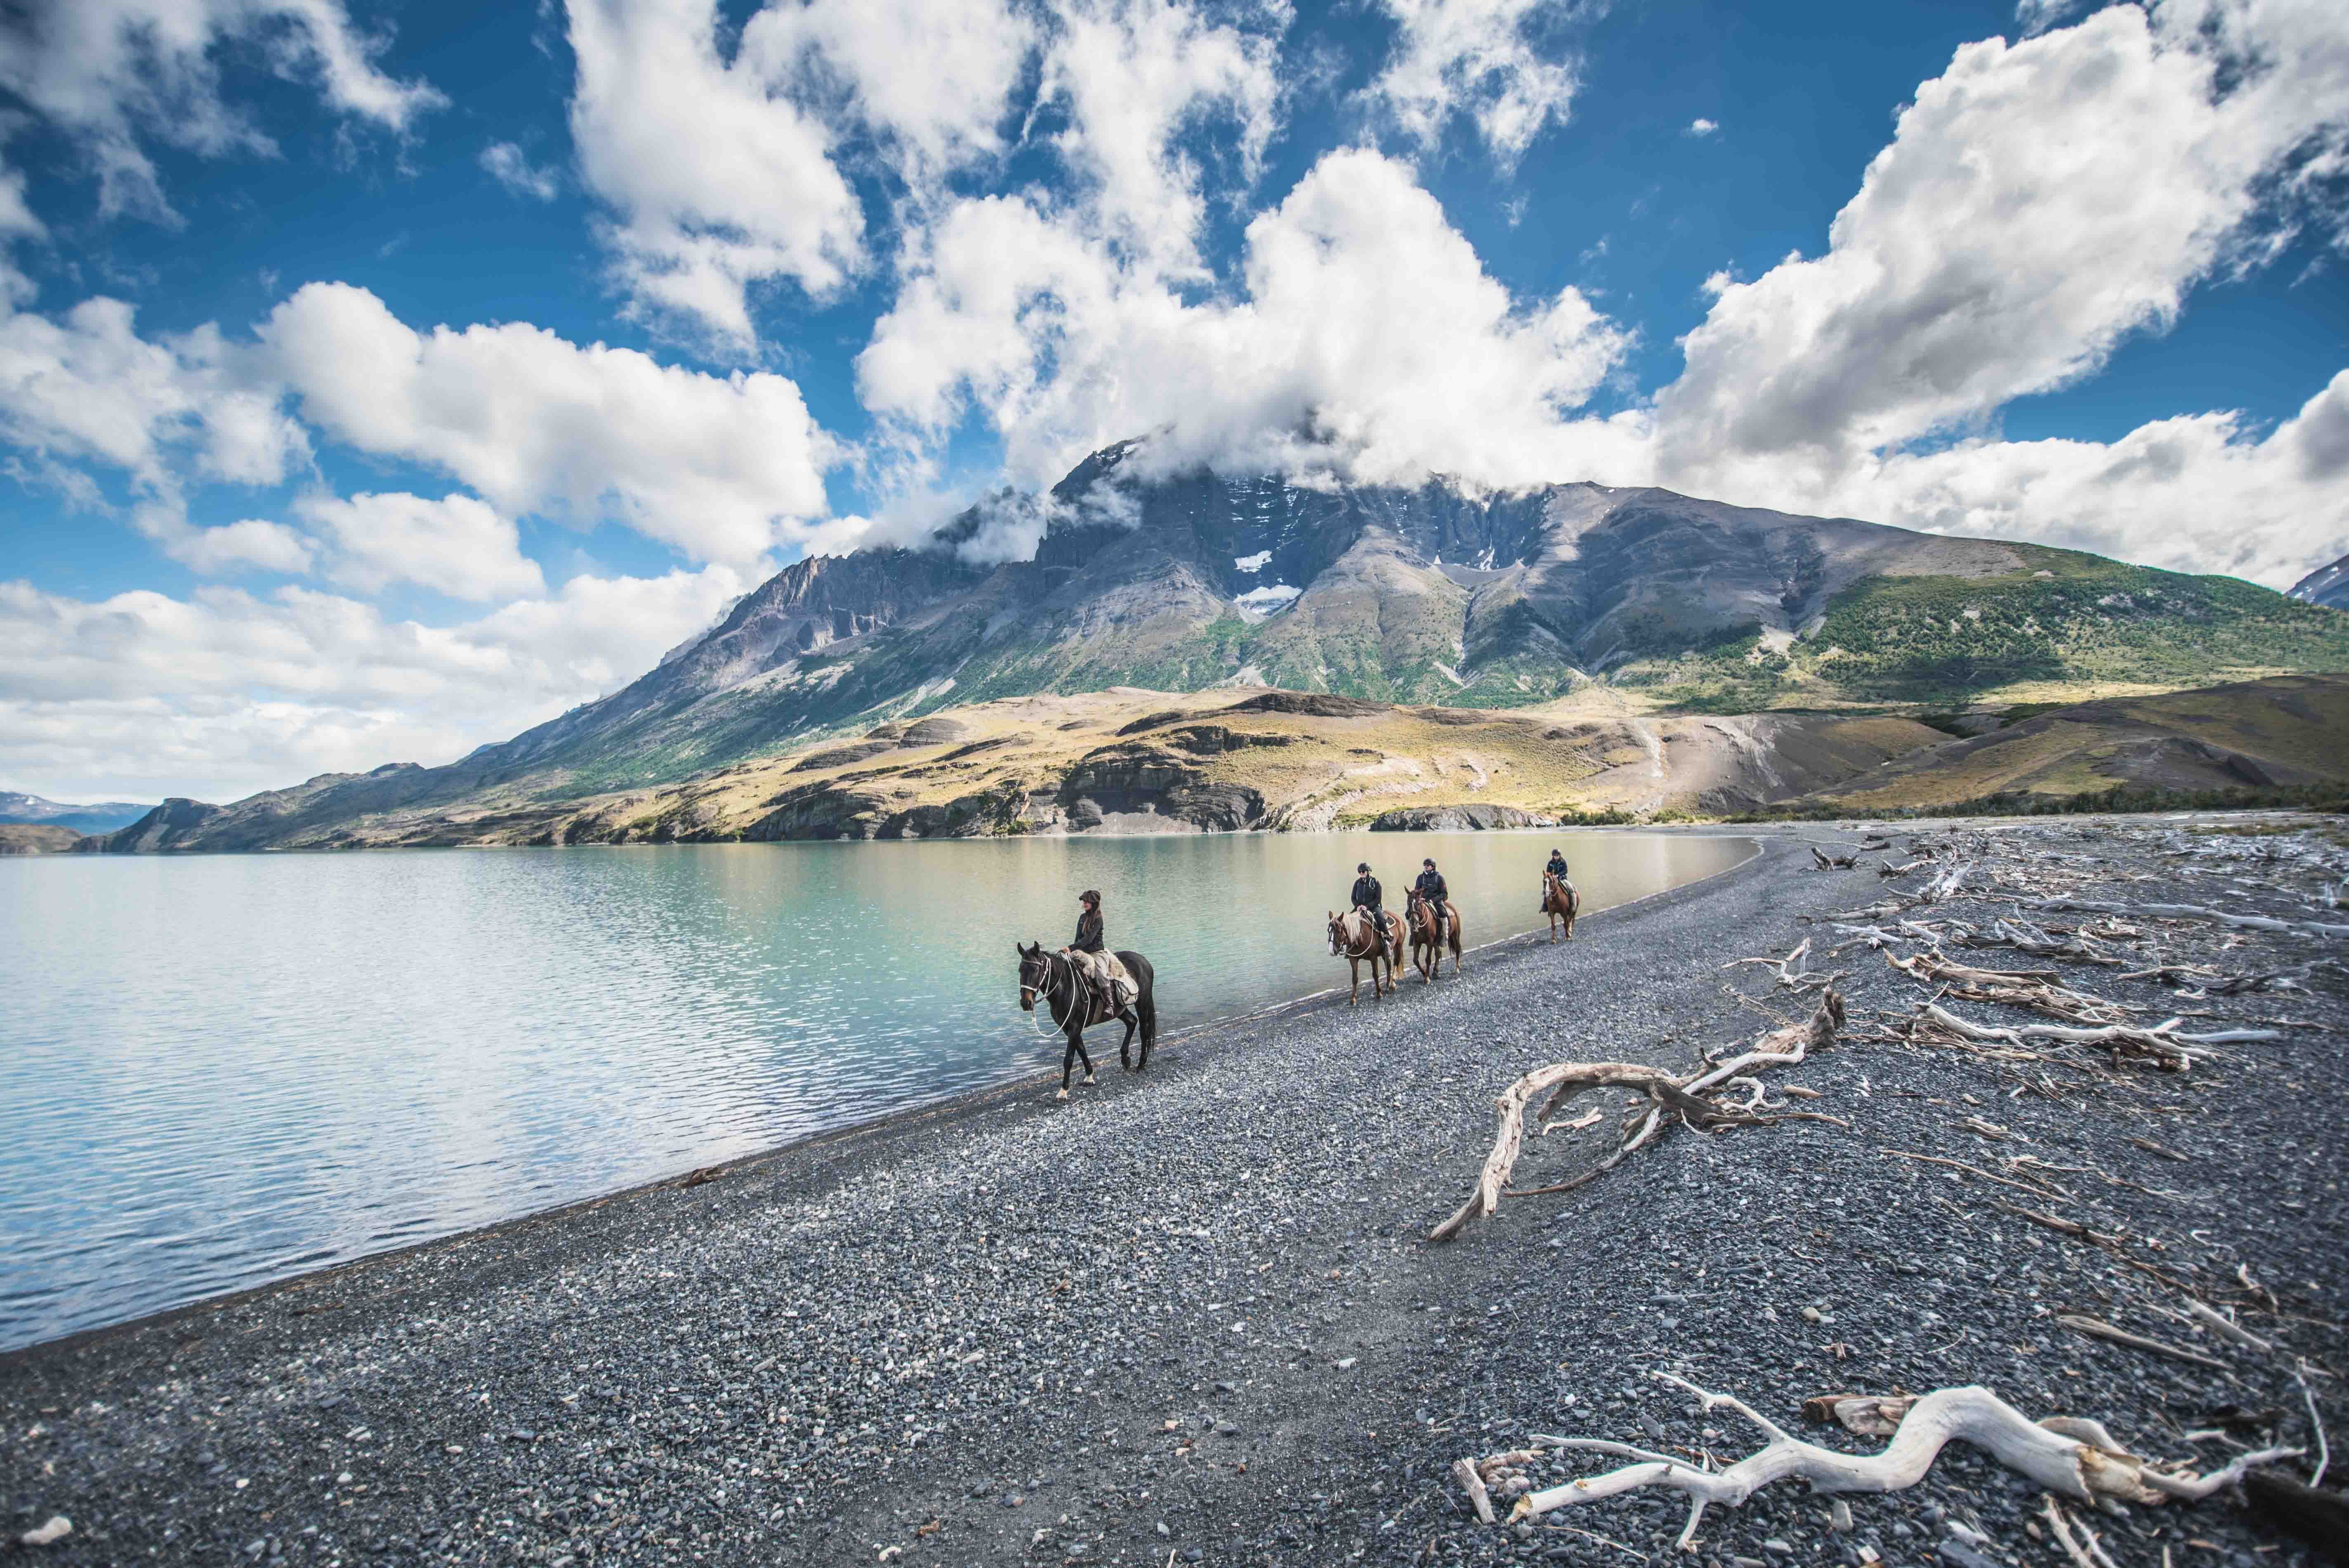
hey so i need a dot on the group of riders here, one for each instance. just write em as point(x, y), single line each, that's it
point(1088, 983)
point(1113, 987)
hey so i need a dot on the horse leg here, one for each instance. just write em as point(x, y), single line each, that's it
point(1354, 987)
point(1077, 1044)
point(1068, 1061)
point(1131, 1023)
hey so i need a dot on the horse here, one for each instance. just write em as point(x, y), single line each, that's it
point(1074, 1007)
point(1559, 900)
point(1352, 940)
point(1426, 939)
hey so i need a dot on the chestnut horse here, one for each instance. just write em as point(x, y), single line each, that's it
point(1352, 939)
point(1561, 901)
point(1427, 942)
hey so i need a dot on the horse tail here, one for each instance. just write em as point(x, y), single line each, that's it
point(1145, 994)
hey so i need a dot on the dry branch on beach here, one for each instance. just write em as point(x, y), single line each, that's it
point(2075, 1458)
point(1685, 1098)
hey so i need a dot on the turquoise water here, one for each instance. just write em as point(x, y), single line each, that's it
point(217, 1071)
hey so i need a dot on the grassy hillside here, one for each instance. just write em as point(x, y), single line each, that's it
point(2068, 625)
point(2282, 732)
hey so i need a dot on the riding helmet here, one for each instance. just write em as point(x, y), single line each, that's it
point(1090, 897)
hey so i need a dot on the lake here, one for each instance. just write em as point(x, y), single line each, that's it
point(217, 1071)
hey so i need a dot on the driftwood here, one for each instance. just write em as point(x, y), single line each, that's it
point(2097, 1328)
point(2198, 981)
point(2195, 912)
point(2162, 1044)
point(1682, 1097)
point(1790, 970)
point(2073, 1457)
point(2034, 988)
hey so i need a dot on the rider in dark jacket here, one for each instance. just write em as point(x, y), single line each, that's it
point(1369, 897)
point(1431, 888)
point(1555, 868)
point(1088, 924)
point(1088, 941)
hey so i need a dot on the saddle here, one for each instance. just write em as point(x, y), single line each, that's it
point(1104, 966)
point(1357, 929)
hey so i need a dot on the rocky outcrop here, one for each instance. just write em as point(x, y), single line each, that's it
point(1457, 819)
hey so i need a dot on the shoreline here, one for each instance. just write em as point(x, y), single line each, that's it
point(971, 1100)
point(1193, 1318)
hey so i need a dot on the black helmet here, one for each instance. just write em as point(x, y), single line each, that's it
point(1365, 868)
point(1429, 863)
point(1090, 897)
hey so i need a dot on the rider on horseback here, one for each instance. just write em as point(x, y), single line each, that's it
point(1090, 954)
point(1431, 890)
point(1369, 899)
point(1556, 868)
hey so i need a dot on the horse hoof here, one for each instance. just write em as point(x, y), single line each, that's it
point(1062, 1095)
point(1088, 1083)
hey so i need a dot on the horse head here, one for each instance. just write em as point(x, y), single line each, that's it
point(1338, 941)
point(1034, 973)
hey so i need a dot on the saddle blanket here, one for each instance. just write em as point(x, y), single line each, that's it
point(1105, 966)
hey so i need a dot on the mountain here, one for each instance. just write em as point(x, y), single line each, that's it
point(102, 818)
point(1429, 596)
point(2327, 585)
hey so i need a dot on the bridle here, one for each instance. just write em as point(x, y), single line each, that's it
point(1376, 937)
point(1030, 995)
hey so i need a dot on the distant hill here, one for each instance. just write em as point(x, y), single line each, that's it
point(1131, 760)
point(2285, 730)
point(2327, 585)
point(1433, 596)
point(102, 818)
point(37, 839)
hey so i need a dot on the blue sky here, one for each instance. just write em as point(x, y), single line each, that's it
point(375, 381)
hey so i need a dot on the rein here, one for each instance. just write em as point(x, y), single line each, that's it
point(1046, 996)
point(1378, 939)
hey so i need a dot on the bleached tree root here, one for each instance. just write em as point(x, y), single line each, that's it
point(1683, 1099)
point(2161, 1044)
point(2075, 1458)
point(2323, 929)
point(1790, 971)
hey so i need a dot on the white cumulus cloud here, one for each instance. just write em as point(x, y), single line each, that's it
point(722, 468)
point(456, 546)
point(1370, 342)
point(225, 692)
point(111, 72)
point(1480, 58)
point(511, 168)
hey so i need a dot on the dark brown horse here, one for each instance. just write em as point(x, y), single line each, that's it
point(1352, 939)
point(1561, 901)
point(1427, 942)
point(1072, 1004)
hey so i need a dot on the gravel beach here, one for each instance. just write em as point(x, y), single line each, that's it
point(1191, 1316)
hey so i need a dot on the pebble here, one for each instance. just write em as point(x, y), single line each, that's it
point(730, 1368)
